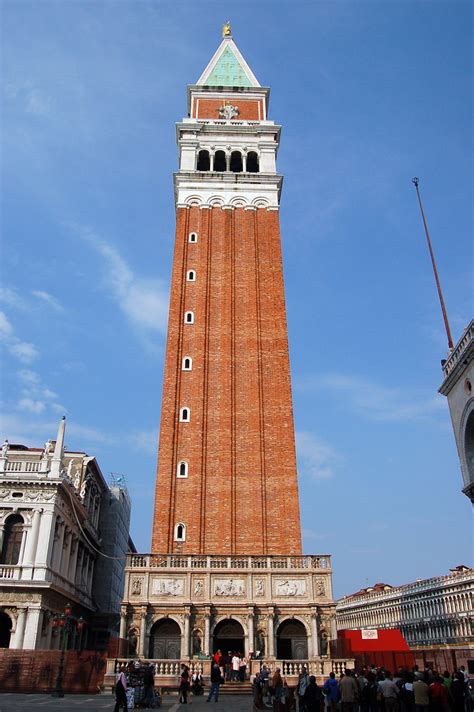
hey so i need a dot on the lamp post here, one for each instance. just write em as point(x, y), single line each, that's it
point(66, 623)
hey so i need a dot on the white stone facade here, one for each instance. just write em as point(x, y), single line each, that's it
point(435, 611)
point(47, 559)
point(458, 386)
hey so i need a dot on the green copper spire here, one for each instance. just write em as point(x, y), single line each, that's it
point(228, 72)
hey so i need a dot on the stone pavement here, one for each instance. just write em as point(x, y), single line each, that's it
point(12, 702)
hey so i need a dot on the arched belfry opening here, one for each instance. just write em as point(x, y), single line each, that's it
point(5, 629)
point(220, 163)
point(236, 164)
point(229, 636)
point(204, 161)
point(292, 641)
point(252, 162)
point(165, 640)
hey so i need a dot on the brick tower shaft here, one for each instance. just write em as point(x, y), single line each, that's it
point(227, 481)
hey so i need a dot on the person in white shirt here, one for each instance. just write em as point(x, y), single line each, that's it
point(235, 667)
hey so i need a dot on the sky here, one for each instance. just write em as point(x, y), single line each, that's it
point(369, 94)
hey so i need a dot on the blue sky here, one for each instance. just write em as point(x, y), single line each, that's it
point(369, 94)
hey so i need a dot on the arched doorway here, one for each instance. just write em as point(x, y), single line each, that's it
point(165, 640)
point(5, 629)
point(469, 448)
point(228, 636)
point(292, 641)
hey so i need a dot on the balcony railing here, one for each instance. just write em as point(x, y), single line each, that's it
point(459, 349)
point(170, 561)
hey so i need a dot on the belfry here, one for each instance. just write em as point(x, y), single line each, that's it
point(226, 569)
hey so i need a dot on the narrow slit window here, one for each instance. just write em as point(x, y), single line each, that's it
point(180, 532)
point(193, 237)
point(187, 363)
point(191, 276)
point(184, 415)
point(189, 317)
point(182, 470)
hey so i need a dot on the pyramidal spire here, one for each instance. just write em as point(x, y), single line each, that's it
point(228, 68)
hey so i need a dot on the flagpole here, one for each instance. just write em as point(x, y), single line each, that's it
point(415, 181)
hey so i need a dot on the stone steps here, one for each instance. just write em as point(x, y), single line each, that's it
point(235, 688)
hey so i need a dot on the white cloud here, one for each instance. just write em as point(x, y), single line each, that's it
point(34, 393)
point(22, 350)
point(143, 301)
point(316, 459)
point(145, 440)
point(31, 406)
point(48, 299)
point(375, 401)
point(5, 327)
point(11, 298)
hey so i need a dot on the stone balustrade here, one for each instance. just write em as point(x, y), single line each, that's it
point(171, 561)
point(457, 353)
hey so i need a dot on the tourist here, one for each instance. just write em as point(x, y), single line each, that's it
point(242, 668)
point(235, 667)
point(148, 686)
point(438, 696)
point(216, 681)
point(313, 696)
point(331, 690)
point(407, 695)
point(302, 684)
point(197, 683)
point(389, 692)
point(121, 691)
point(368, 699)
point(278, 689)
point(421, 693)
point(227, 665)
point(184, 684)
point(349, 690)
point(459, 693)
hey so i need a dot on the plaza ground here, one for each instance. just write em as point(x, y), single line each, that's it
point(12, 702)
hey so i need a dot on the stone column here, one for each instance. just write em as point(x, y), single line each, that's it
point(123, 623)
point(251, 635)
point(45, 542)
point(19, 629)
point(270, 634)
point(315, 633)
point(141, 644)
point(333, 627)
point(66, 553)
point(185, 638)
point(71, 574)
point(32, 629)
point(58, 548)
point(31, 545)
point(207, 631)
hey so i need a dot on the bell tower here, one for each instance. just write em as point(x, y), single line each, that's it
point(227, 481)
point(226, 569)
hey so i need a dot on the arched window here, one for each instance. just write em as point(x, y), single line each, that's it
point(220, 163)
point(12, 539)
point(204, 161)
point(191, 276)
point(193, 237)
point(236, 162)
point(182, 469)
point(187, 363)
point(252, 162)
point(184, 415)
point(189, 317)
point(180, 532)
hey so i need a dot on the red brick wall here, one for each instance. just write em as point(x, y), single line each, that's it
point(209, 108)
point(241, 495)
point(37, 670)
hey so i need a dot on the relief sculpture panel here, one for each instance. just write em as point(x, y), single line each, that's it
point(167, 587)
point(290, 587)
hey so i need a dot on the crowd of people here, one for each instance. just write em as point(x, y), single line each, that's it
point(371, 689)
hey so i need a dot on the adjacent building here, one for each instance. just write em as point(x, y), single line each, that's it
point(429, 612)
point(457, 386)
point(57, 517)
